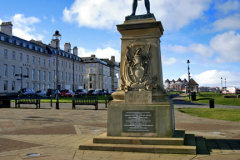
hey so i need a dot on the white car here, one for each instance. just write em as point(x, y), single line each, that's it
point(40, 93)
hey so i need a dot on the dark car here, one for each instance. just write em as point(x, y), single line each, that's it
point(27, 92)
point(81, 92)
point(238, 92)
point(90, 92)
point(52, 92)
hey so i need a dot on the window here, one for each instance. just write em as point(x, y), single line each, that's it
point(2, 38)
point(61, 76)
point(33, 74)
point(13, 85)
point(38, 60)
point(65, 64)
point(48, 62)
point(62, 64)
point(91, 71)
point(27, 71)
point(53, 74)
point(53, 61)
point(91, 65)
point(44, 75)
point(76, 68)
point(78, 78)
point(33, 59)
point(44, 62)
point(20, 56)
point(5, 70)
point(33, 86)
point(5, 85)
point(90, 78)
point(38, 86)
point(69, 65)
point(20, 70)
point(53, 85)
point(72, 77)
point(66, 76)
point(44, 86)
point(5, 53)
point(75, 77)
point(48, 86)
point(84, 71)
point(27, 58)
point(13, 54)
point(72, 66)
point(69, 77)
point(13, 71)
point(49, 76)
point(39, 75)
point(27, 85)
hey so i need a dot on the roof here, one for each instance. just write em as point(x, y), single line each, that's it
point(192, 82)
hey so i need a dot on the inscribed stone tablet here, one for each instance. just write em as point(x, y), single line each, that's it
point(138, 121)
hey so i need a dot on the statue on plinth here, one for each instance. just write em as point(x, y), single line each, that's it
point(134, 6)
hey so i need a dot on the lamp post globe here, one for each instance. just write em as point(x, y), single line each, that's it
point(57, 38)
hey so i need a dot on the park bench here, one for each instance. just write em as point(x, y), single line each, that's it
point(27, 100)
point(81, 100)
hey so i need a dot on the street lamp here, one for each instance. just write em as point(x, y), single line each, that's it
point(189, 80)
point(221, 83)
point(21, 76)
point(57, 38)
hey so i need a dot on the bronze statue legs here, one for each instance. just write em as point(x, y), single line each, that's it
point(134, 7)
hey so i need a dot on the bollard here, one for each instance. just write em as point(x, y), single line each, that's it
point(211, 103)
point(105, 101)
point(51, 100)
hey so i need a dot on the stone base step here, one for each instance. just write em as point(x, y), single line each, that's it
point(177, 139)
point(189, 146)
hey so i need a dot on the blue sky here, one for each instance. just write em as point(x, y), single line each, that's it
point(207, 32)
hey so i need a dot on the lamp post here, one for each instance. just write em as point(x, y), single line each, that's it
point(189, 80)
point(21, 76)
point(221, 83)
point(225, 84)
point(57, 38)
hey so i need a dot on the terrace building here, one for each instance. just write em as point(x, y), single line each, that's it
point(38, 61)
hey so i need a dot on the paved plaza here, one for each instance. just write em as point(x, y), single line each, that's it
point(56, 134)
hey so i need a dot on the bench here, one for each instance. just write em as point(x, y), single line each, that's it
point(79, 100)
point(27, 100)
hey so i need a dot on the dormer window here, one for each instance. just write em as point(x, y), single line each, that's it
point(2, 38)
point(24, 45)
point(10, 40)
point(17, 42)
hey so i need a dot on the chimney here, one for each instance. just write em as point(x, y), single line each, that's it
point(113, 59)
point(53, 43)
point(67, 47)
point(93, 56)
point(75, 51)
point(6, 27)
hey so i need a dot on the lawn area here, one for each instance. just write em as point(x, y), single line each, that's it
point(101, 99)
point(175, 92)
point(204, 97)
point(213, 113)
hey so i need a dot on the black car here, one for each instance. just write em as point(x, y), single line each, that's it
point(90, 92)
point(52, 92)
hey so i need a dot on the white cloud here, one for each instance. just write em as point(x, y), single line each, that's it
point(213, 78)
point(45, 17)
point(0, 21)
point(52, 19)
point(227, 46)
point(24, 27)
point(231, 22)
point(168, 61)
point(201, 49)
point(105, 14)
point(228, 6)
point(100, 53)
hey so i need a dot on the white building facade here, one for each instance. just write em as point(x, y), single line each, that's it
point(38, 61)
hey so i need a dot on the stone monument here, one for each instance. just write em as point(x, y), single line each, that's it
point(141, 116)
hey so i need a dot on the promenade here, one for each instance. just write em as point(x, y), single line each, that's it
point(56, 134)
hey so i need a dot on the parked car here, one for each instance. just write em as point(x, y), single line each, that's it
point(238, 92)
point(81, 92)
point(27, 92)
point(90, 92)
point(40, 93)
point(66, 93)
point(52, 92)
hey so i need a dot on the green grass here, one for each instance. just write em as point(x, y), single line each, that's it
point(101, 99)
point(213, 113)
point(204, 97)
point(176, 92)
